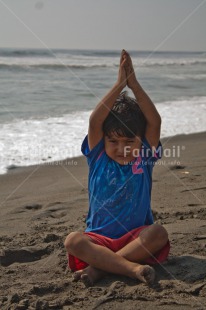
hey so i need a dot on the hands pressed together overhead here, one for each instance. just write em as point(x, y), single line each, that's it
point(126, 76)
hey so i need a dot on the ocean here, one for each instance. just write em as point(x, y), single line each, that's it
point(47, 97)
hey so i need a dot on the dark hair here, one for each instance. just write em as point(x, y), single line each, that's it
point(125, 119)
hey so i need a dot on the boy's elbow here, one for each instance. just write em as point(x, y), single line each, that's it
point(159, 120)
point(155, 122)
point(92, 120)
point(95, 122)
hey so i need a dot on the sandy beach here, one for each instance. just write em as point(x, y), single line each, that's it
point(40, 205)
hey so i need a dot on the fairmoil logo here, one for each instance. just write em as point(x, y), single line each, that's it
point(173, 152)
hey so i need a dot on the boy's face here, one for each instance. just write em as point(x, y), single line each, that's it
point(122, 149)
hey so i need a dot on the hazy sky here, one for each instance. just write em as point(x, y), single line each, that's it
point(104, 24)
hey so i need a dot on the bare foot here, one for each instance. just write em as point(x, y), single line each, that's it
point(145, 273)
point(89, 275)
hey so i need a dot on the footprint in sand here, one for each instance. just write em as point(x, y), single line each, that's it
point(33, 207)
point(193, 189)
point(54, 210)
point(194, 204)
point(22, 255)
point(26, 208)
point(177, 167)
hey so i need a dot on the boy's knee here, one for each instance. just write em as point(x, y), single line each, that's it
point(73, 240)
point(161, 233)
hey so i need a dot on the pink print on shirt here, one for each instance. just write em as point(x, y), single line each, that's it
point(135, 169)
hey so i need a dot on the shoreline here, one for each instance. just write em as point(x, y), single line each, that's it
point(40, 205)
point(74, 160)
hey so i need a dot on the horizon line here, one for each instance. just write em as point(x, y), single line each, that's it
point(98, 49)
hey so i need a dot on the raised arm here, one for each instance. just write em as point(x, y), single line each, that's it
point(146, 105)
point(102, 110)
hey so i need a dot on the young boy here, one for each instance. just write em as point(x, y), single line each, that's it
point(120, 236)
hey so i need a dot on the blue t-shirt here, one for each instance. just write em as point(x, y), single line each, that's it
point(119, 195)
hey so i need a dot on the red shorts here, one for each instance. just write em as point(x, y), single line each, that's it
point(115, 245)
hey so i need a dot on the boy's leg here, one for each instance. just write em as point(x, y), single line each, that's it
point(149, 241)
point(97, 256)
point(125, 261)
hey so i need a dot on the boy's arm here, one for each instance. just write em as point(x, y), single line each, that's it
point(153, 127)
point(102, 110)
point(146, 105)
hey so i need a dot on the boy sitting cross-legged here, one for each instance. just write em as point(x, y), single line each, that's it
point(121, 147)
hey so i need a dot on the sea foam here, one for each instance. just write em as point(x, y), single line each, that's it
point(37, 141)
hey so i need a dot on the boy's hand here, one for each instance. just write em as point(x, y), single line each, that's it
point(131, 77)
point(122, 77)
